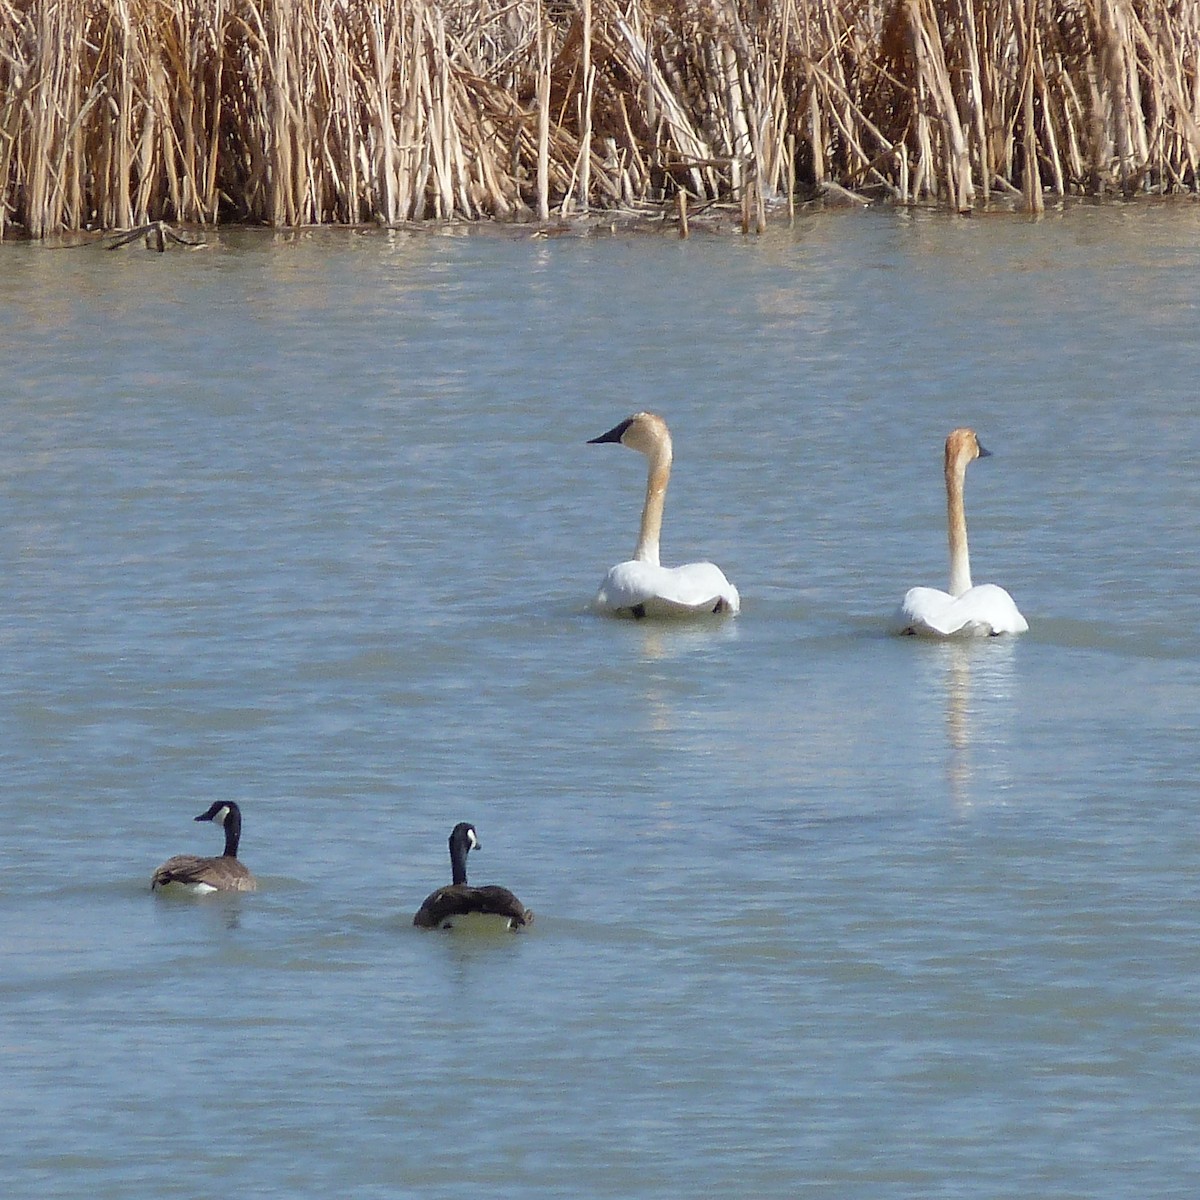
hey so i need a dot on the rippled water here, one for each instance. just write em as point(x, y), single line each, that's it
point(310, 522)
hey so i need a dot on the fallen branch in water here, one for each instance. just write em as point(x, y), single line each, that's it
point(158, 235)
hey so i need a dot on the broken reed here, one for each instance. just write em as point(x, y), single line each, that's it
point(115, 113)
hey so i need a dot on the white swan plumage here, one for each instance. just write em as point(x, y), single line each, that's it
point(963, 611)
point(641, 587)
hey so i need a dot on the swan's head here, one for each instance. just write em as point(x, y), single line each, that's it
point(962, 447)
point(645, 431)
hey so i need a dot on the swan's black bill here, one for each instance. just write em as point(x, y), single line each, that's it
point(982, 452)
point(615, 434)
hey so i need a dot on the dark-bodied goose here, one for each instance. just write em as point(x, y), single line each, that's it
point(641, 587)
point(222, 873)
point(964, 611)
point(448, 906)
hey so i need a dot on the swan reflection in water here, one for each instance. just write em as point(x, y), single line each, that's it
point(666, 642)
point(977, 682)
point(663, 641)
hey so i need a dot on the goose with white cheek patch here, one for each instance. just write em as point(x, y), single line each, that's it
point(189, 873)
point(642, 587)
point(964, 611)
point(460, 904)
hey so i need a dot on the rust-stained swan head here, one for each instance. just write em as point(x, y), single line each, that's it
point(641, 586)
point(645, 432)
point(962, 447)
point(964, 609)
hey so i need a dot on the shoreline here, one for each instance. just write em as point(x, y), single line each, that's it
point(719, 220)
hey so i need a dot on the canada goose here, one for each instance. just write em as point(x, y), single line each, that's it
point(963, 610)
point(223, 873)
point(641, 587)
point(444, 908)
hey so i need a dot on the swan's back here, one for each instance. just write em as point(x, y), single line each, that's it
point(982, 611)
point(653, 591)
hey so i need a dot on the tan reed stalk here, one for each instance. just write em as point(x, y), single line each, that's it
point(791, 176)
point(1050, 137)
point(438, 117)
point(938, 88)
point(120, 49)
point(738, 135)
point(410, 135)
point(56, 100)
point(543, 128)
point(589, 87)
point(1031, 179)
point(382, 42)
point(977, 118)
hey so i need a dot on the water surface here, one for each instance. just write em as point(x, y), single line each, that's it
point(309, 522)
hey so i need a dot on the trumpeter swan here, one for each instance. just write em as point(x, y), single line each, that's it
point(450, 906)
point(963, 610)
point(223, 873)
point(641, 587)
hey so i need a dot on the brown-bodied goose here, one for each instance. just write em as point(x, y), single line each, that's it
point(222, 873)
point(450, 906)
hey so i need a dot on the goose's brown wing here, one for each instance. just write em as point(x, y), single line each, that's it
point(223, 873)
point(459, 900)
point(503, 903)
point(439, 906)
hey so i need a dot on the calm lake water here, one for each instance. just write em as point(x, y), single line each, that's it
point(309, 522)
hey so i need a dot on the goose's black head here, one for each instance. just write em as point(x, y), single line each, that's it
point(227, 813)
point(464, 835)
point(462, 840)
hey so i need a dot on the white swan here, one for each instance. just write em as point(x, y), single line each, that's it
point(964, 610)
point(641, 587)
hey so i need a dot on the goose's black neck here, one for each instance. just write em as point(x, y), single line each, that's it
point(460, 843)
point(233, 832)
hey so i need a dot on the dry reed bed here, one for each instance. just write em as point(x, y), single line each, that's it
point(114, 113)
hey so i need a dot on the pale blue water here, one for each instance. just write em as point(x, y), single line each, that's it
point(310, 523)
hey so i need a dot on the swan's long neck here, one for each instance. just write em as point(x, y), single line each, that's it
point(656, 498)
point(956, 520)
